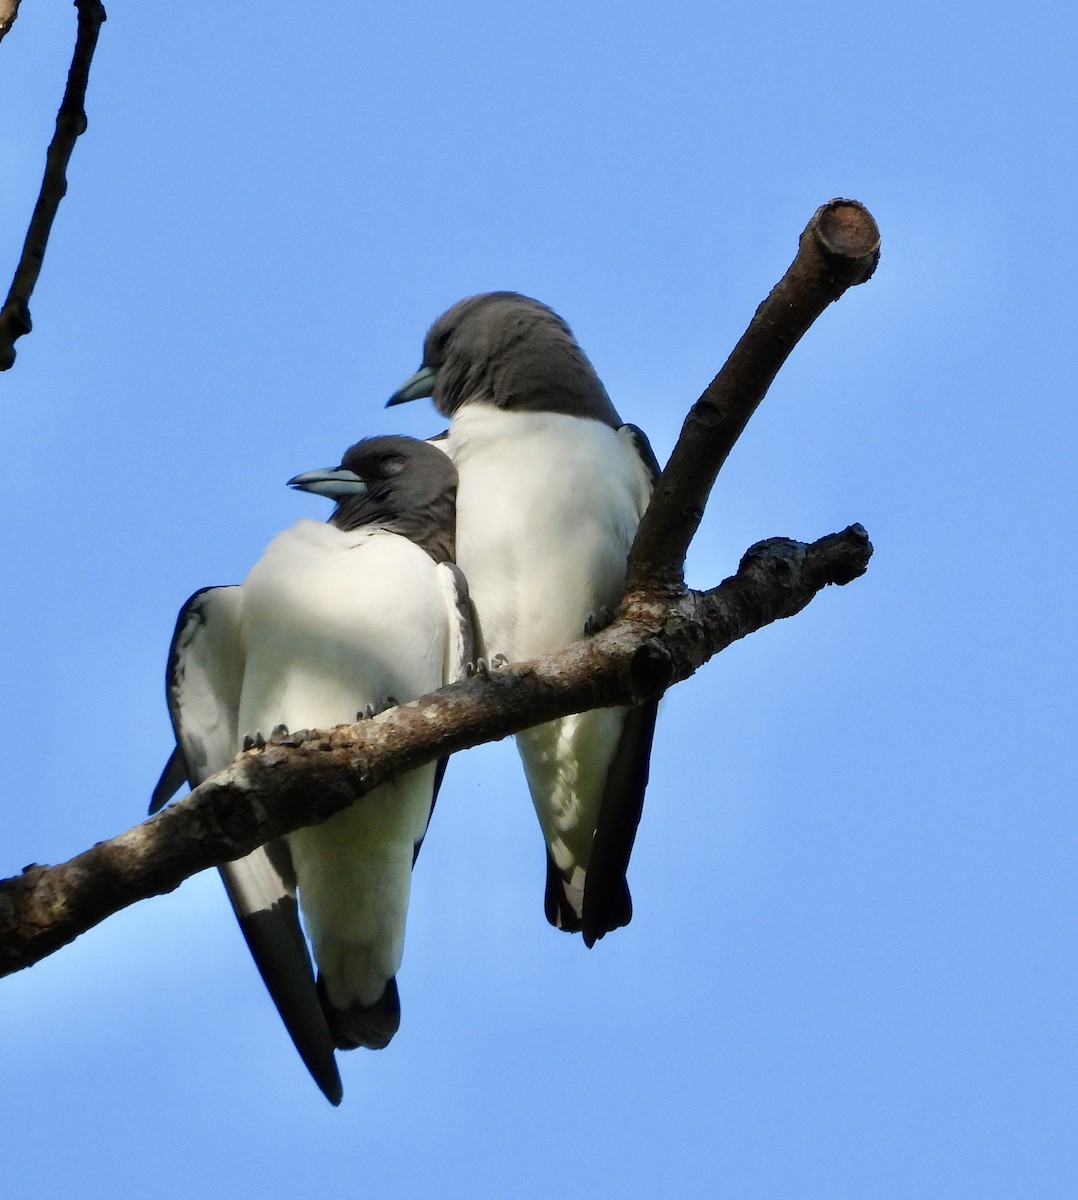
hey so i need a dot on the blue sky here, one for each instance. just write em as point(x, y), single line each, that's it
point(853, 968)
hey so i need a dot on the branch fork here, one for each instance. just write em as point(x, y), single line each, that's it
point(662, 633)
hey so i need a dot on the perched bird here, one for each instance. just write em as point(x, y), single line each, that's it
point(335, 621)
point(552, 488)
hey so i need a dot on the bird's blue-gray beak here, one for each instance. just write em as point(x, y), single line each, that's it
point(333, 482)
point(421, 384)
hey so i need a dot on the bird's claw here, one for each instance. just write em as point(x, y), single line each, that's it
point(283, 736)
point(483, 667)
point(597, 621)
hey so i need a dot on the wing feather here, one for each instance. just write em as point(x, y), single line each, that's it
point(204, 680)
point(461, 644)
point(460, 650)
point(644, 452)
point(607, 903)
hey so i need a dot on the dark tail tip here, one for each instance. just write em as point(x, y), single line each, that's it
point(369, 1025)
point(614, 911)
point(562, 902)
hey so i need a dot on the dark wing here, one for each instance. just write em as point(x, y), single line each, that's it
point(263, 894)
point(202, 685)
point(203, 682)
point(643, 450)
point(461, 622)
point(173, 777)
point(607, 903)
point(461, 650)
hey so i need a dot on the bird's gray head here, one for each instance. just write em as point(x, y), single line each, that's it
point(505, 349)
point(395, 483)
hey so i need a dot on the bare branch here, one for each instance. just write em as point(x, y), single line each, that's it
point(9, 10)
point(70, 123)
point(839, 248)
point(661, 635)
point(305, 777)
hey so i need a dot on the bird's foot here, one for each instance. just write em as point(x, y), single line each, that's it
point(598, 621)
point(365, 714)
point(281, 736)
point(483, 667)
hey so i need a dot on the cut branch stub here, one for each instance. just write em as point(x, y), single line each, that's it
point(839, 248)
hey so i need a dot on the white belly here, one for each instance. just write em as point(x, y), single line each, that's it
point(333, 622)
point(547, 509)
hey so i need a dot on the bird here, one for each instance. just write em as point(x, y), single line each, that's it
point(336, 621)
point(552, 487)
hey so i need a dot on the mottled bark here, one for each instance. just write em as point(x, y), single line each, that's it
point(662, 633)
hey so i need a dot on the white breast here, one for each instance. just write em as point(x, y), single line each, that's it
point(547, 509)
point(332, 622)
point(335, 621)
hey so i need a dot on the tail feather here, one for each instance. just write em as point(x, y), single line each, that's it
point(607, 904)
point(563, 903)
point(370, 1025)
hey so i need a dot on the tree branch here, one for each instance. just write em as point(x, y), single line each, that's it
point(662, 634)
point(9, 10)
point(839, 248)
point(307, 776)
point(70, 123)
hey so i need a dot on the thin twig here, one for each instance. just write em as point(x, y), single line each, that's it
point(70, 123)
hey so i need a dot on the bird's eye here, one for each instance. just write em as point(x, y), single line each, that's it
point(393, 464)
point(438, 344)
